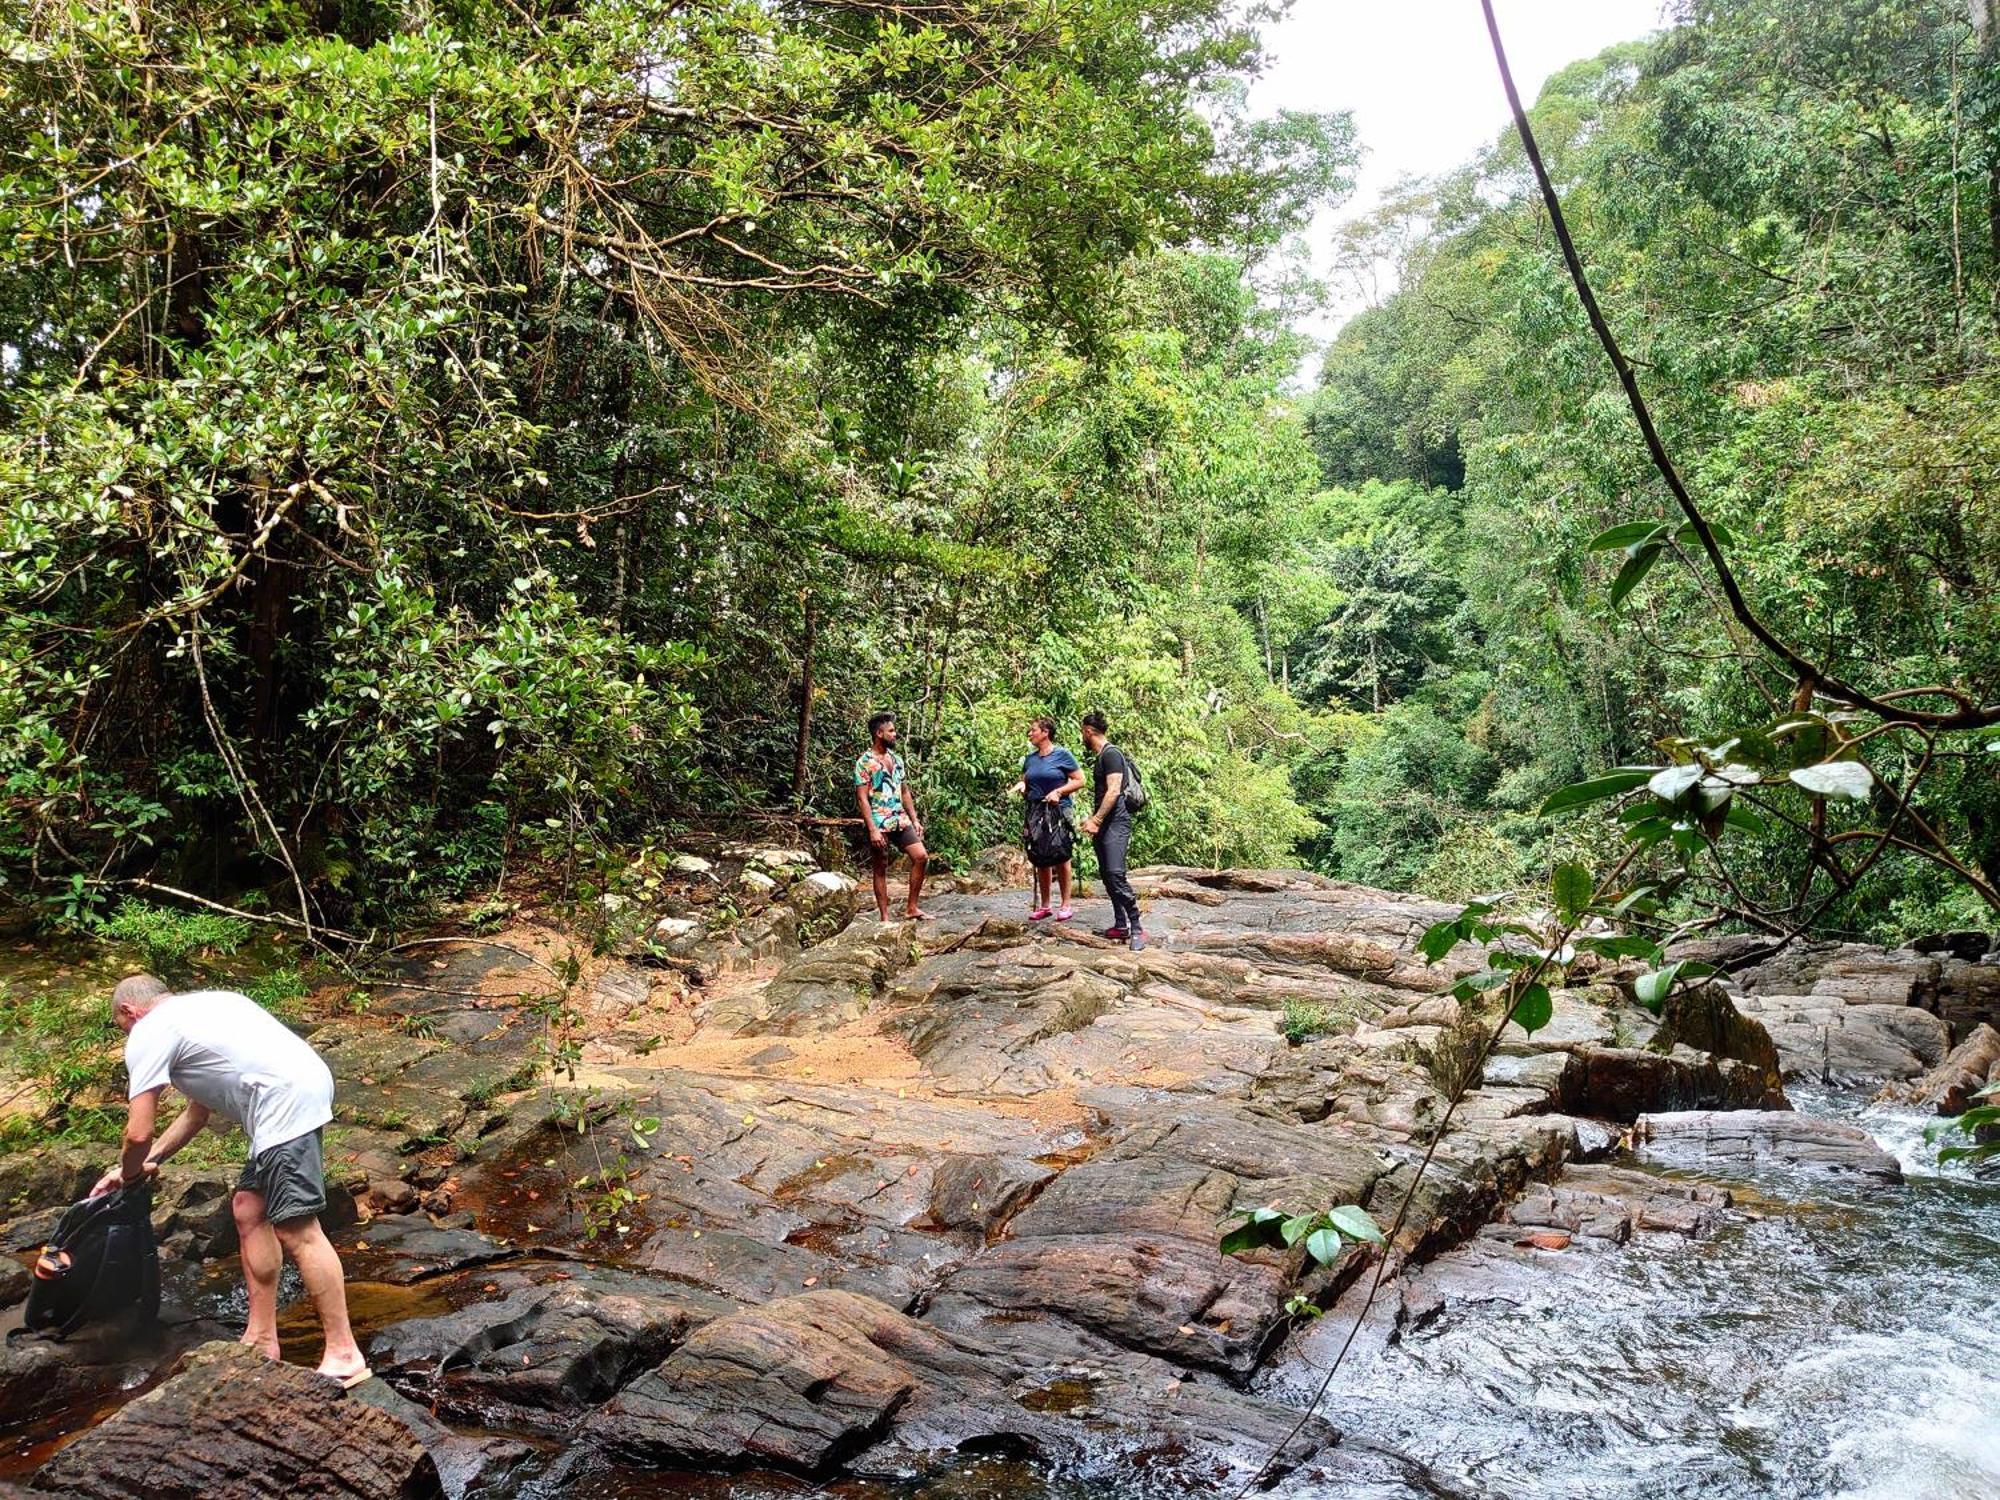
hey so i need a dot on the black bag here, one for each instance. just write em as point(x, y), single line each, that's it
point(101, 1263)
point(1049, 836)
point(1133, 793)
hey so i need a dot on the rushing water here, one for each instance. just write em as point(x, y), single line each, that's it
point(1836, 1341)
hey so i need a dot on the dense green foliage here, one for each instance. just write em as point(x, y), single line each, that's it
point(1791, 213)
point(433, 436)
point(436, 444)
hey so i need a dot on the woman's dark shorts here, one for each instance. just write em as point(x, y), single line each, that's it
point(292, 1178)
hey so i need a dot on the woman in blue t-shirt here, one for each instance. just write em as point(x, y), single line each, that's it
point(1049, 774)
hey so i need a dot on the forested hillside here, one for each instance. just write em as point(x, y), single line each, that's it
point(439, 446)
point(1791, 213)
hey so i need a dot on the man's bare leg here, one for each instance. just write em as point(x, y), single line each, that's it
point(919, 857)
point(878, 860)
point(319, 1268)
point(262, 1261)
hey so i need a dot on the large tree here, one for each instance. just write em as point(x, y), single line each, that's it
point(405, 411)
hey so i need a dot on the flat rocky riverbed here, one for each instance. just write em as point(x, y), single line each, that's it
point(935, 1208)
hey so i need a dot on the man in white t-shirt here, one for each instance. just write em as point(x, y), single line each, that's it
point(233, 1058)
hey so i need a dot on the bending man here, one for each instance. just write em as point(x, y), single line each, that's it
point(233, 1058)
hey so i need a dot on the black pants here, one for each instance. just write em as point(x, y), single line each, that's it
point(1110, 841)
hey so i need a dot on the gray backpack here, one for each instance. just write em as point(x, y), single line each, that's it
point(1134, 790)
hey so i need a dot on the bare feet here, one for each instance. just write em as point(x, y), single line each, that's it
point(268, 1347)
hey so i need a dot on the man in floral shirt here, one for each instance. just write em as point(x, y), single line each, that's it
point(889, 814)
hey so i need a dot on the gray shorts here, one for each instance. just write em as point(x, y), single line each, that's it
point(291, 1177)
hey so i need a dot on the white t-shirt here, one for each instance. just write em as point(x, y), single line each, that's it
point(225, 1050)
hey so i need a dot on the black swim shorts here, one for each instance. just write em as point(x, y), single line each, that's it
point(292, 1178)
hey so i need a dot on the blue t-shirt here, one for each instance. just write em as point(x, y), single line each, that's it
point(1044, 773)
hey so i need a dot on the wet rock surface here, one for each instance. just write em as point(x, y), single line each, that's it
point(835, 1197)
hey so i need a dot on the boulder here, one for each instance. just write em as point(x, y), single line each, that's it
point(1968, 992)
point(542, 1354)
point(981, 1193)
point(1607, 1206)
point(232, 1425)
point(823, 897)
point(1853, 973)
point(1730, 1140)
point(808, 1384)
point(1701, 1016)
point(1622, 1083)
point(1828, 1041)
point(823, 988)
point(1948, 1088)
point(192, 1214)
point(52, 1176)
point(1968, 946)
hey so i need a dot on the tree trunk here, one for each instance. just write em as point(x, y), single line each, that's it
point(803, 753)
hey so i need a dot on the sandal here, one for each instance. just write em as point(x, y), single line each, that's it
point(1038, 914)
point(1063, 914)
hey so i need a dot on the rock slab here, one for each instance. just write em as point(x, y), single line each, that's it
point(1731, 1139)
point(232, 1425)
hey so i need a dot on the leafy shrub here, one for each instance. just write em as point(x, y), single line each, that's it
point(279, 991)
point(1303, 1019)
point(1471, 858)
point(169, 937)
point(63, 1050)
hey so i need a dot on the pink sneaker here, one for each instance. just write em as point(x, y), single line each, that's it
point(1038, 914)
point(1063, 914)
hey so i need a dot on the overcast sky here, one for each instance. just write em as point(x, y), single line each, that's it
point(1419, 77)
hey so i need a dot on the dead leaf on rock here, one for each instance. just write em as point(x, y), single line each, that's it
point(1544, 1239)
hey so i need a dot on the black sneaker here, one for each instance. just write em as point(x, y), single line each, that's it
point(1138, 941)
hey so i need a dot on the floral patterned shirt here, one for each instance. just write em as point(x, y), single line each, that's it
point(883, 776)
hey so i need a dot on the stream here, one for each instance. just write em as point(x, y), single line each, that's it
point(1835, 1341)
point(1832, 1341)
